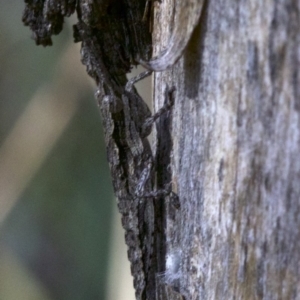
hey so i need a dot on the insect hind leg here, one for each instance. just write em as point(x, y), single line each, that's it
point(169, 102)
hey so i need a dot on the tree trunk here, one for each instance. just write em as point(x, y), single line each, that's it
point(235, 159)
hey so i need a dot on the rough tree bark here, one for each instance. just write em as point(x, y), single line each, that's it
point(232, 140)
point(236, 145)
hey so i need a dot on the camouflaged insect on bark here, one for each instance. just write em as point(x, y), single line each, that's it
point(114, 37)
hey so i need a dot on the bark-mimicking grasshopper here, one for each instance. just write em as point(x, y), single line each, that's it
point(114, 36)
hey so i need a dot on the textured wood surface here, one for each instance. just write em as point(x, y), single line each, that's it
point(236, 146)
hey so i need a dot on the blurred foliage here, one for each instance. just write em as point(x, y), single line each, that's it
point(55, 202)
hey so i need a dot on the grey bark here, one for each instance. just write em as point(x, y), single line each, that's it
point(236, 144)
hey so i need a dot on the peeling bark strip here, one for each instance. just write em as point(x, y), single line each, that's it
point(113, 35)
point(187, 14)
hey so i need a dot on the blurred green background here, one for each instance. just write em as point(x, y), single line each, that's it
point(60, 235)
